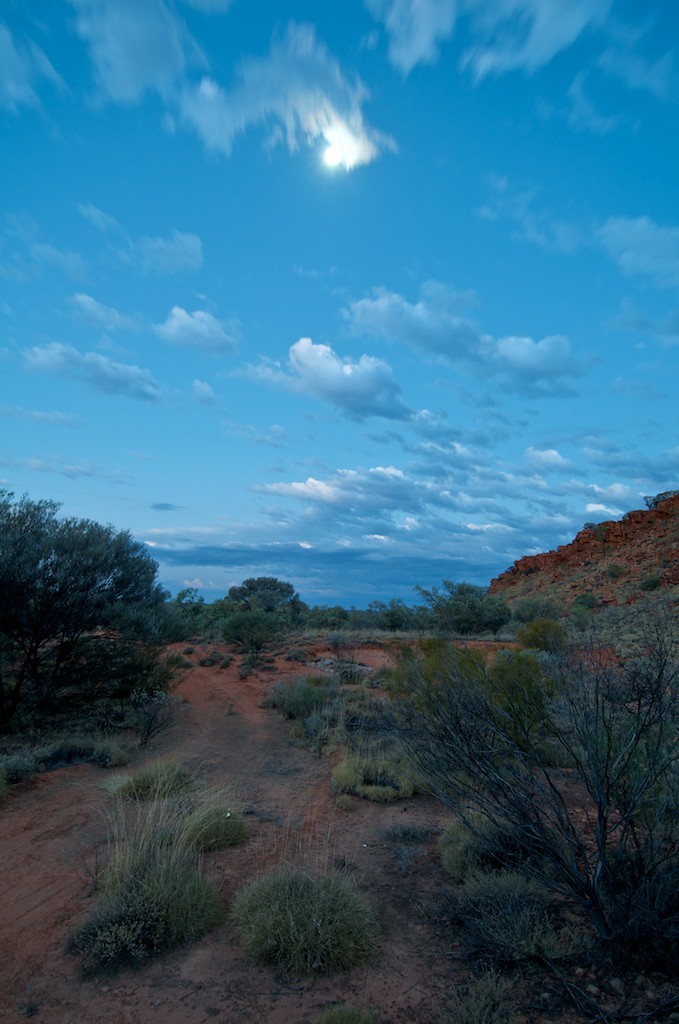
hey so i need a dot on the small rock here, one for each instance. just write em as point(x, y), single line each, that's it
point(105, 988)
point(617, 985)
point(580, 972)
point(593, 991)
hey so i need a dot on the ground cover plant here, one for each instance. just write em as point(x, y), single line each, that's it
point(304, 924)
point(156, 781)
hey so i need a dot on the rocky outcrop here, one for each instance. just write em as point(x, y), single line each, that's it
point(616, 562)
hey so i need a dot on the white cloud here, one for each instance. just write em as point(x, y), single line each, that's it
point(208, 6)
point(602, 509)
point(178, 251)
point(584, 115)
point(535, 360)
point(640, 246)
point(20, 69)
point(198, 330)
point(299, 90)
point(203, 393)
point(360, 389)
point(106, 317)
point(135, 46)
point(527, 34)
point(656, 77)
point(546, 458)
point(56, 418)
point(416, 28)
point(70, 263)
point(98, 371)
point(537, 226)
point(97, 218)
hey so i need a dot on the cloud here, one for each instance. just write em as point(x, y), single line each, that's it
point(274, 436)
point(198, 330)
point(536, 226)
point(100, 372)
point(135, 46)
point(656, 77)
point(62, 467)
point(666, 330)
point(433, 325)
point(509, 35)
point(70, 263)
point(360, 389)
point(357, 491)
point(584, 115)
point(106, 317)
point(166, 506)
point(97, 218)
point(640, 246)
point(527, 34)
point(299, 90)
point(416, 29)
point(547, 458)
point(203, 393)
point(208, 6)
point(57, 419)
point(21, 67)
point(179, 251)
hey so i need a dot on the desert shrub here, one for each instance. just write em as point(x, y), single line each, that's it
point(305, 925)
point(297, 654)
point(149, 905)
point(346, 1015)
point(372, 777)
point(227, 661)
point(297, 699)
point(189, 650)
point(464, 608)
point(16, 767)
point(476, 841)
point(543, 635)
point(507, 918)
point(484, 999)
point(154, 782)
point(212, 827)
point(249, 630)
point(651, 582)
point(65, 751)
point(586, 602)
point(4, 786)
point(614, 571)
point(525, 609)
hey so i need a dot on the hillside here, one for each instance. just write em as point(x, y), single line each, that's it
point(615, 562)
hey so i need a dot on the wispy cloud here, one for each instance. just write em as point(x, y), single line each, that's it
point(640, 246)
point(203, 393)
point(541, 227)
point(416, 29)
point(106, 317)
point(360, 389)
point(68, 262)
point(199, 330)
point(60, 466)
point(584, 115)
point(274, 436)
point(100, 372)
point(178, 251)
point(98, 218)
point(638, 72)
point(547, 458)
point(299, 91)
point(22, 66)
point(55, 418)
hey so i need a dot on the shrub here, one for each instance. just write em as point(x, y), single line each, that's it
point(345, 1015)
point(16, 767)
point(4, 786)
point(249, 631)
point(525, 609)
point(586, 601)
point(297, 699)
point(212, 827)
point(483, 1000)
point(543, 635)
point(651, 582)
point(507, 918)
point(297, 654)
point(476, 841)
point(155, 782)
point(614, 571)
point(373, 778)
point(305, 925)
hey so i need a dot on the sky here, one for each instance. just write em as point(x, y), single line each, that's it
point(362, 294)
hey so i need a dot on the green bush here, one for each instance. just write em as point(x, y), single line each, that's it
point(154, 782)
point(16, 767)
point(298, 699)
point(507, 918)
point(483, 1000)
point(4, 786)
point(212, 827)
point(465, 845)
point(543, 635)
point(586, 601)
point(375, 778)
point(651, 582)
point(345, 1015)
point(525, 609)
point(305, 925)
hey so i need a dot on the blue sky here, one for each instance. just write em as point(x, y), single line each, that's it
point(361, 294)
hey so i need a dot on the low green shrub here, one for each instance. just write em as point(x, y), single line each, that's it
point(346, 1015)
point(4, 787)
point(297, 654)
point(508, 918)
point(483, 1000)
point(303, 924)
point(156, 781)
point(16, 767)
point(651, 582)
point(297, 699)
point(372, 777)
point(543, 635)
point(212, 827)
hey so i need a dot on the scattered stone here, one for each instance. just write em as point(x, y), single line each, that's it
point(593, 991)
point(617, 985)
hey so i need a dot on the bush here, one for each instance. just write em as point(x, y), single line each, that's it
point(155, 782)
point(651, 582)
point(305, 925)
point(297, 699)
point(543, 635)
point(525, 609)
point(483, 1000)
point(475, 841)
point(249, 631)
point(372, 777)
point(16, 767)
point(4, 786)
point(507, 918)
point(345, 1015)
point(212, 827)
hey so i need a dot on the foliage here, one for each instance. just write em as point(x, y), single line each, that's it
point(373, 777)
point(616, 854)
point(61, 580)
point(250, 631)
point(303, 924)
point(652, 501)
point(483, 1000)
point(156, 781)
point(345, 1015)
point(297, 699)
point(212, 826)
point(543, 635)
point(525, 609)
point(651, 582)
point(507, 918)
point(464, 608)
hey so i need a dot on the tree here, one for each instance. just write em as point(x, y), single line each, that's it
point(60, 581)
point(465, 608)
point(604, 832)
point(264, 594)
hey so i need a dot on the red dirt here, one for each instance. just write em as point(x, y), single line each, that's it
point(52, 827)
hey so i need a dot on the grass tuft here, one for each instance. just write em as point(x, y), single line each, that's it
point(156, 781)
point(346, 1015)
